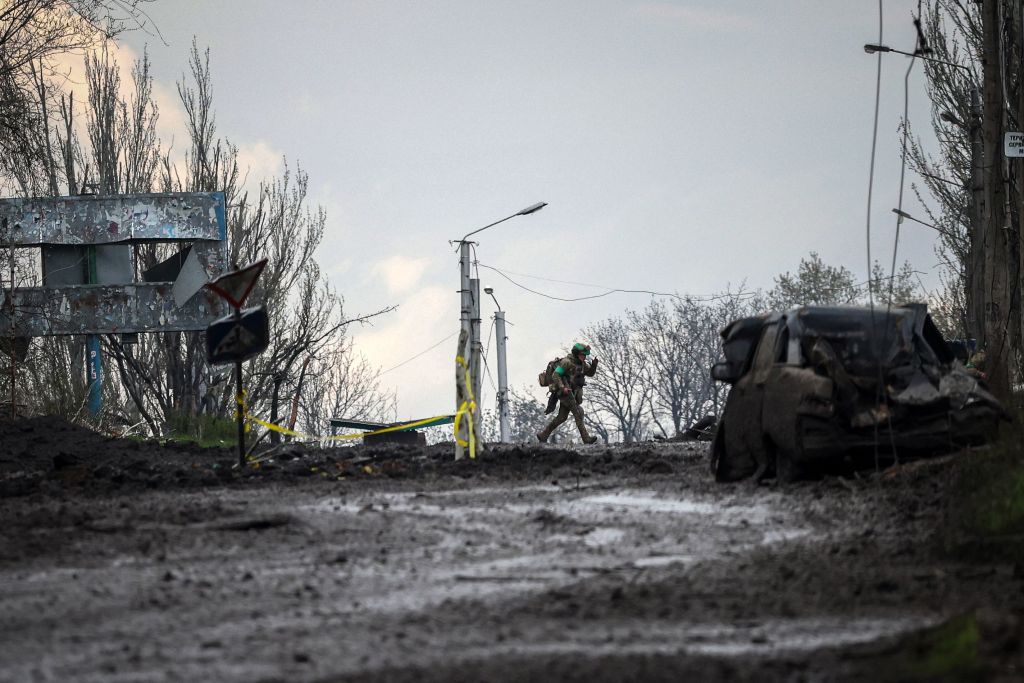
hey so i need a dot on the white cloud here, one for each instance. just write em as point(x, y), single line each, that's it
point(259, 161)
point(400, 273)
point(424, 385)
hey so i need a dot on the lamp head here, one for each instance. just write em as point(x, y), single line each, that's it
point(871, 49)
point(532, 209)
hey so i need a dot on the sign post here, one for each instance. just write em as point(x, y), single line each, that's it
point(239, 336)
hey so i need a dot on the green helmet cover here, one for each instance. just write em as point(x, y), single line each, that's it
point(579, 346)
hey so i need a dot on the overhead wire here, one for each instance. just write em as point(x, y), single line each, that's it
point(920, 47)
point(409, 360)
point(487, 368)
point(871, 187)
point(611, 290)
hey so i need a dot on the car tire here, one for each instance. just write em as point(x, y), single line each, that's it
point(718, 457)
point(786, 470)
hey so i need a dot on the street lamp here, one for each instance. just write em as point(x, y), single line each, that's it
point(533, 208)
point(469, 289)
point(975, 255)
point(499, 331)
point(904, 214)
point(872, 49)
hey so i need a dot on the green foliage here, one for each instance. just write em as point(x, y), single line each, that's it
point(205, 430)
point(815, 284)
point(986, 513)
point(899, 289)
point(949, 652)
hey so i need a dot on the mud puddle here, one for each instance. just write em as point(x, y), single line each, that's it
point(532, 539)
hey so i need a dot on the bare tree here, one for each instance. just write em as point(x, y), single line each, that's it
point(618, 392)
point(166, 376)
point(341, 383)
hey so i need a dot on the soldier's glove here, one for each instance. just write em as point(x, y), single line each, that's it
point(593, 363)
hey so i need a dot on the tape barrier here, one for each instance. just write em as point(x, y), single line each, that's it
point(467, 408)
point(341, 437)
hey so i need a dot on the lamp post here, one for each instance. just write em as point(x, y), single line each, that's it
point(469, 289)
point(499, 331)
point(975, 257)
point(907, 216)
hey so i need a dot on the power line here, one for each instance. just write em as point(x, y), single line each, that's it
point(874, 147)
point(409, 360)
point(871, 185)
point(611, 290)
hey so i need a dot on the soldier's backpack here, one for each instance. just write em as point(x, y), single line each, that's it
point(544, 378)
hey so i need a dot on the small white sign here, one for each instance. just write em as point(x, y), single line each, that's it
point(1013, 144)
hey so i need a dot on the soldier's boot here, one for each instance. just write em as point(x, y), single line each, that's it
point(543, 434)
point(584, 434)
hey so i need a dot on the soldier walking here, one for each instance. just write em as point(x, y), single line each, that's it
point(566, 387)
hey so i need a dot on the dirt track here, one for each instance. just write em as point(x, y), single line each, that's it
point(135, 562)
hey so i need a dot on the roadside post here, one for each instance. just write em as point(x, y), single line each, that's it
point(240, 336)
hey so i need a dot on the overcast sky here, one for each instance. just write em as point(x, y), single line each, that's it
point(682, 146)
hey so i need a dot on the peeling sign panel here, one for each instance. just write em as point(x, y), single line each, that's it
point(168, 217)
point(102, 309)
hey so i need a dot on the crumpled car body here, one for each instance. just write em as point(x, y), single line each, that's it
point(820, 385)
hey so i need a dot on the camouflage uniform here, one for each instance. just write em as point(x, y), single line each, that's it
point(567, 385)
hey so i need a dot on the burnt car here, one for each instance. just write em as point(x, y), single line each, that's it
point(819, 386)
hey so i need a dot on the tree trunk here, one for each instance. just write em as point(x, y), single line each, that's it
point(997, 245)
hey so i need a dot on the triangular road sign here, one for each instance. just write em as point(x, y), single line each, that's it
point(236, 286)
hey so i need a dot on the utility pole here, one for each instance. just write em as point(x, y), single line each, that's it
point(476, 346)
point(499, 331)
point(976, 256)
point(997, 313)
point(469, 291)
point(465, 346)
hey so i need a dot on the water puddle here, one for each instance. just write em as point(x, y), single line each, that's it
point(663, 561)
point(629, 500)
point(783, 535)
point(603, 536)
point(767, 639)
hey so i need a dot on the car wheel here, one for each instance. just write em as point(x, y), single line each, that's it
point(718, 457)
point(786, 470)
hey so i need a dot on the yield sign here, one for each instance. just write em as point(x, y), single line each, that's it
point(237, 285)
point(235, 339)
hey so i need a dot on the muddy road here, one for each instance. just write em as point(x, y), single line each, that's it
point(140, 562)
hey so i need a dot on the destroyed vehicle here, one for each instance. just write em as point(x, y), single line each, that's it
point(806, 393)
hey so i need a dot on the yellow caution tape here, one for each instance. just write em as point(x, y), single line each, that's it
point(341, 437)
point(467, 408)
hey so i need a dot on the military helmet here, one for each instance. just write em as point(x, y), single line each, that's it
point(580, 346)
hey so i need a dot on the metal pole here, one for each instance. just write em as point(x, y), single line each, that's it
point(477, 347)
point(92, 345)
point(976, 252)
point(464, 287)
point(464, 349)
point(240, 403)
point(499, 331)
point(13, 339)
